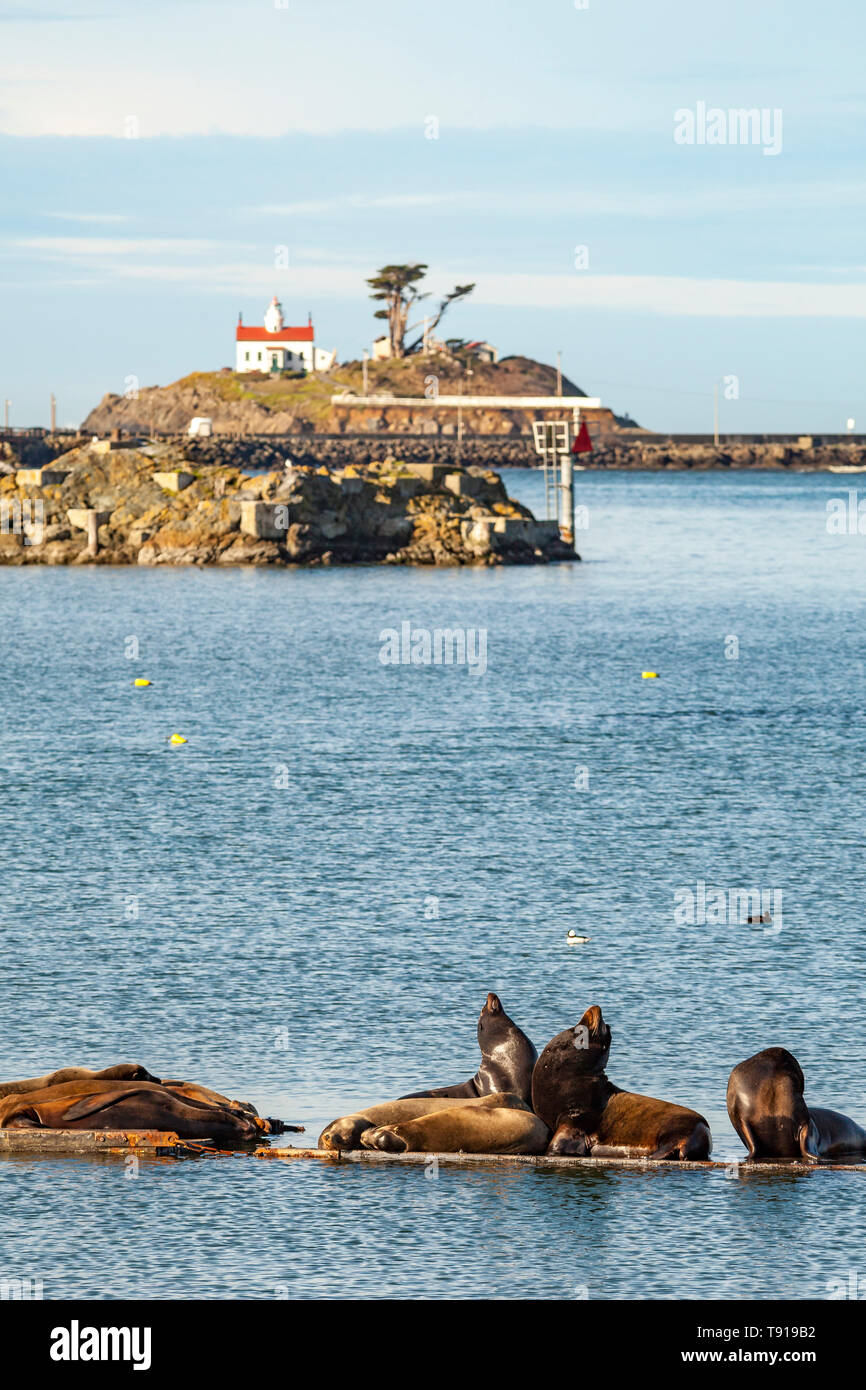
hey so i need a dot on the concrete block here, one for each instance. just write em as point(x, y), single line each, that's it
point(407, 487)
point(173, 482)
point(463, 484)
point(429, 472)
point(499, 532)
point(269, 521)
point(80, 517)
point(40, 477)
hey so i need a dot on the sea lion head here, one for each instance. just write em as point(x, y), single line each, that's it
point(567, 1068)
point(384, 1137)
point(590, 1039)
point(344, 1133)
point(493, 1023)
point(128, 1071)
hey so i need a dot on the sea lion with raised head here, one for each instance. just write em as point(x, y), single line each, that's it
point(767, 1108)
point(110, 1104)
point(589, 1116)
point(475, 1128)
point(123, 1071)
point(507, 1059)
point(346, 1132)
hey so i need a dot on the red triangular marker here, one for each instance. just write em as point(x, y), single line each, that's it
point(583, 443)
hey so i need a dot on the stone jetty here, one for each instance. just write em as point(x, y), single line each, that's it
point(115, 503)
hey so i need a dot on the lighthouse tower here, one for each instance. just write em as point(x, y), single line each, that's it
point(274, 316)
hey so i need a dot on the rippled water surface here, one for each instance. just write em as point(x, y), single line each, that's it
point(307, 903)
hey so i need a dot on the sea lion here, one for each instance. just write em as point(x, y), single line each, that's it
point(767, 1109)
point(590, 1116)
point(123, 1071)
point(471, 1129)
point(107, 1104)
point(507, 1059)
point(346, 1132)
point(191, 1090)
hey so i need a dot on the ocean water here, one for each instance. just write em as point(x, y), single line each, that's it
point(307, 903)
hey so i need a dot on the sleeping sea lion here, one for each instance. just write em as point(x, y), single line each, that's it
point(507, 1059)
point(346, 1133)
point(471, 1129)
point(107, 1104)
point(590, 1116)
point(767, 1109)
point(191, 1090)
point(123, 1071)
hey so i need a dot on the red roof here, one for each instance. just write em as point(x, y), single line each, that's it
point(243, 334)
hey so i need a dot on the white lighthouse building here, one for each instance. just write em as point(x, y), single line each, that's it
point(278, 347)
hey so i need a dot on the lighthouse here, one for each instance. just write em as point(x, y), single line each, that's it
point(278, 346)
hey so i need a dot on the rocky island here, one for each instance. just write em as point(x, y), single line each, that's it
point(113, 502)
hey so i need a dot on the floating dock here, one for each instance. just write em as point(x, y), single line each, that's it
point(88, 1141)
point(65, 1143)
point(462, 1160)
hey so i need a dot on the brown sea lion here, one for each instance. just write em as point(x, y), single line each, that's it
point(346, 1132)
point(470, 1129)
point(191, 1090)
point(123, 1071)
point(590, 1116)
point(107, 1104)
point(507, 1059)
point(767, 1109)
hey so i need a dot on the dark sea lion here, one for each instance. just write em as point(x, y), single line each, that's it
point(472, 1129)
point(346, 1132)
point(111, 1104)
point(123, 1071)
point(590, 1116)
point(768, 1110)
point(507, 1059)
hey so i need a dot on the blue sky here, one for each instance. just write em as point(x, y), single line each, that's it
point(154, 157)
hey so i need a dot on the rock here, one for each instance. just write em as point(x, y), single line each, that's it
point(310, 516)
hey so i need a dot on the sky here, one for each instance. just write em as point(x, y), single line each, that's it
point(165, 166)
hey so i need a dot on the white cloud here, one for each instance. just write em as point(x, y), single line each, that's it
point(72, 247)
point(96, 217)
point(117, 260)
point(695, 202)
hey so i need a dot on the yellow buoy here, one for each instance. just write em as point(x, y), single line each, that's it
point(177, 738)
point(140, 681)
point(649, 675)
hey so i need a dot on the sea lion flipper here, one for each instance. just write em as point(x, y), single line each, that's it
point(100, 1100)
point(807, 1141)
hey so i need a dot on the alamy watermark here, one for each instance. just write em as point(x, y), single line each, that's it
point(731, 907)
point(440, 646)
point(737, 126)
point(21, 1289)
point(23, 518)
point(846, 516)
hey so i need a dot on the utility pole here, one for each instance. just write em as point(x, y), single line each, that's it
point(559, 373)
point(7, 406)
point(364, 370)
point(426, 331)
point(716, 415)
point(53, 413)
